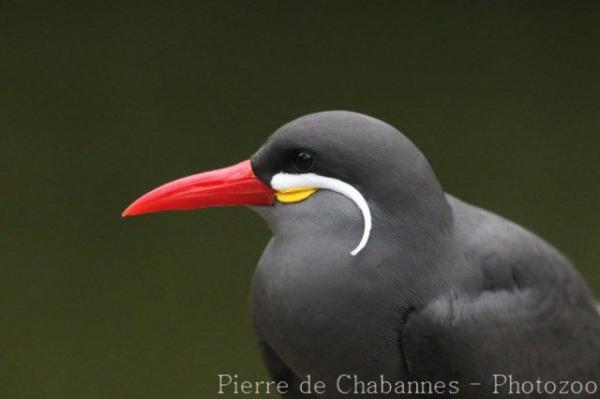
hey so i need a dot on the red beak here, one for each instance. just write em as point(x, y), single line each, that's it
point(234, 185)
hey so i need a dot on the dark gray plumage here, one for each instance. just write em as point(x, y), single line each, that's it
point(442, 291)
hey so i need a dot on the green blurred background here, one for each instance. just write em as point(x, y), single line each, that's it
point(103, 101)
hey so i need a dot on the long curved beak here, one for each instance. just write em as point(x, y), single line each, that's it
point(230, 186)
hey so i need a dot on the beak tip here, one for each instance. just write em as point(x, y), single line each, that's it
point(129, 211)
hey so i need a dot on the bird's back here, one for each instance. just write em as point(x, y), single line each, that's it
point(501, 255)
point(519, 309)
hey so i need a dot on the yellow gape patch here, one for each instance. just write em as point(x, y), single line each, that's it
point(294, 194)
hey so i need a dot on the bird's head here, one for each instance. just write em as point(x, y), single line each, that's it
point(358, 157)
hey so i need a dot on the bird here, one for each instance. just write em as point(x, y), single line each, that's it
point(375, 273)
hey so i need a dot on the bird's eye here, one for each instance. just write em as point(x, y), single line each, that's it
point(304, 160)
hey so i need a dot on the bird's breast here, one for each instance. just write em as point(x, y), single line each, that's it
point(312, 306)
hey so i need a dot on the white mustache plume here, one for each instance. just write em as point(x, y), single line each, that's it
point(282, 181)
